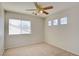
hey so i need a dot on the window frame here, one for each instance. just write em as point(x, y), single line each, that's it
point(55, 22)
point(21, 29)
point(49, 23)
point(64, 23)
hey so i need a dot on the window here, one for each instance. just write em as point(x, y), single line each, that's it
point(63, 20)
point(55, 22)
point(19, 27)
point(26, 27)
point(49, 23)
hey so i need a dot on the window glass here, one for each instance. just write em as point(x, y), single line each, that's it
point(19, 27)
point(26, 27)
point(49, 23)
point(55, 22)
point(14, 26)
point(63, 20)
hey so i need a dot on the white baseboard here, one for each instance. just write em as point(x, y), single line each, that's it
point(24, 45)
point(62, 48)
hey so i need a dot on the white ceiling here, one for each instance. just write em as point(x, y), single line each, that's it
point(22, 6)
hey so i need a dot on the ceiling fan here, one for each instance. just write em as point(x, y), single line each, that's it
point(40, 9)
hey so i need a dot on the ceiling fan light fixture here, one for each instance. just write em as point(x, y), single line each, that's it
point(40, 9)
point(41, 12)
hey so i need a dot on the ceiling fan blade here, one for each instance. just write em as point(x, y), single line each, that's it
point(45, 12)
point(36, 5)
point(30, 9)
point(49, 7)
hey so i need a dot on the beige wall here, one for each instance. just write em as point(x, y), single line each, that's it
point(37, 35)
point(1, 30)
point(64, 36)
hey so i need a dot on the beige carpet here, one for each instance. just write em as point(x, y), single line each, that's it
point(42, 49)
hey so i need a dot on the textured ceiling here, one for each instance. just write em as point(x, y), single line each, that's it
point(22, 6)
